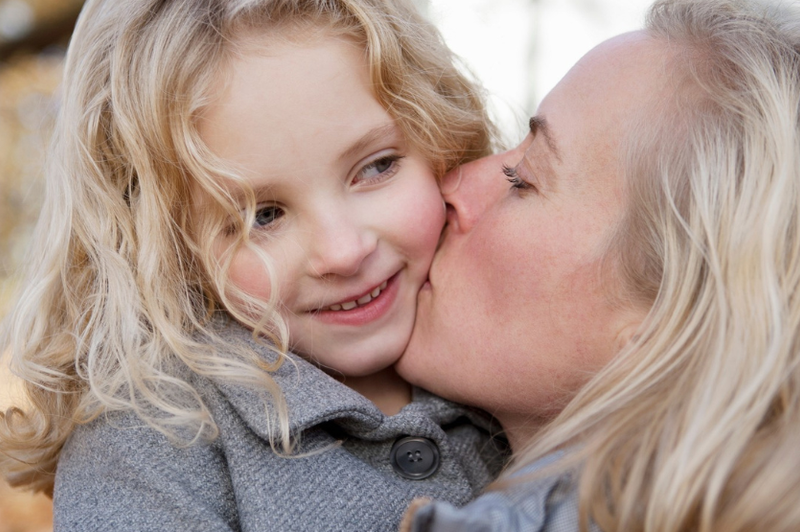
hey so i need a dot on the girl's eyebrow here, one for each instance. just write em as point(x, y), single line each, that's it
point(261, 191)
point(390, 131)
point(386, 132)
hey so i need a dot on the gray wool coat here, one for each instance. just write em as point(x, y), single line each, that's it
point(117, 474)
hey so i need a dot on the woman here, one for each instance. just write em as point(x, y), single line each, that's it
point(639, 283)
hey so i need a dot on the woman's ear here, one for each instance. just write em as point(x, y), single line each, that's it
point(630, 327)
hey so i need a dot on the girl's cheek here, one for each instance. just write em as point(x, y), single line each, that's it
point(249, 275)
point(429, 219)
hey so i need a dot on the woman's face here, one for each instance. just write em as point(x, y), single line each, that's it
point(518, 313)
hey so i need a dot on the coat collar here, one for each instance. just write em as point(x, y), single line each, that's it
point(313, 397)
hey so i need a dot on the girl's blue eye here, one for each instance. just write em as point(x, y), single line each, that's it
point(267, 215)
point(379, 169)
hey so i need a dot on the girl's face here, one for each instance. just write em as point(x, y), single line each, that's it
point(349, 213)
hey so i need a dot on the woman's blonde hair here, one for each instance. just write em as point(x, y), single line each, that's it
point(122, 287)
point(696, 424)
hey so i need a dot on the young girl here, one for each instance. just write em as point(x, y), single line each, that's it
point(231, 180)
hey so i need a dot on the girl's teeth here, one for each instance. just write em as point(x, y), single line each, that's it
point(350, 305)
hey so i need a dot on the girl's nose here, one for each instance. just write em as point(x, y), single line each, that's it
point(471, 189)
point(339, 247)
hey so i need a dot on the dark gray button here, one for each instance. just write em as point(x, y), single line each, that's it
point(415, 458)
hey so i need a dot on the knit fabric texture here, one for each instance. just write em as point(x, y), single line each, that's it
point(116, 473)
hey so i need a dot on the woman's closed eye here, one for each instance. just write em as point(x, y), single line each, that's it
point(378, 169)
point(516, 181)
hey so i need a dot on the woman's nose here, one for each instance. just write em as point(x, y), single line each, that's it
point(471, 189)
point(339, 247)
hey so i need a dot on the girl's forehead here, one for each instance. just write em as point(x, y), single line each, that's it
point(274, 41)
point(297, 110)
point(254, 37)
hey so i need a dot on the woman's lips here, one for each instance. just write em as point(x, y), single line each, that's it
point(365, 309)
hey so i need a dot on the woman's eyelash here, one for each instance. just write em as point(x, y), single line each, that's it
point(510, 172)
point(516, 182)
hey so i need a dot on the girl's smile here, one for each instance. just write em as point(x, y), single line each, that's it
point(370, 306)
point(359, 301)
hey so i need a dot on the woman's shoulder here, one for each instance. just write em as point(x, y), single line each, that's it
point(530, 501)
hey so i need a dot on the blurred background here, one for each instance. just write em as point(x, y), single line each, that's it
point(33, 36)
point(519, 49)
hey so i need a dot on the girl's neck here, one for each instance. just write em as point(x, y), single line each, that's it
point(386, 389)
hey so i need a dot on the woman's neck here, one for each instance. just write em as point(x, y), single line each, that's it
point(520, 429)
point(386, 389)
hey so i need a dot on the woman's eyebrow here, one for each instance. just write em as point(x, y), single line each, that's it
point(390, 131)
point(538, 124)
